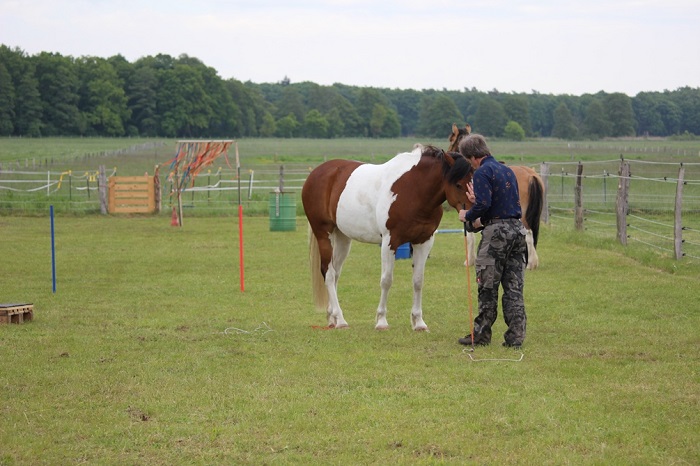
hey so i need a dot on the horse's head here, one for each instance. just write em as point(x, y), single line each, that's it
point(458, 177)
point(457, 135)
point(456, 173)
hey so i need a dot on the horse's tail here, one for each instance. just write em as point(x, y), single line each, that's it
point(535, 194)
point(318, 284)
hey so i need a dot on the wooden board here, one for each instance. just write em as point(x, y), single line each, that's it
point(131, 195)
point(16, 313)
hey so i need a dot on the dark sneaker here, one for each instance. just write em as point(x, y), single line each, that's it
point(512, 345)
point(467, 341)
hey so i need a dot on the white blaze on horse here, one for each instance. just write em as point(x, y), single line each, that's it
point(397, 202)
point(531, 191)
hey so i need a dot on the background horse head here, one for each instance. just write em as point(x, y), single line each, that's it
point(397, 202)
point(531, 191)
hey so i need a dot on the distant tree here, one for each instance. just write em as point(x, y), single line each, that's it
point(391, 128)
point(688, 101)
point(269, 126)
point(648, 118)
point(336, 126)
point(596, 124)
point(58, 86)
point(292, 102)
point(384, 122)
point(315, 125)
point(185, 107)
point(490, 117)
point(541, 109)
point(287, 127)
point(407, 105)
point(366, 100)
point(516, 108)
point(7, 102)
point(352, 122)
point(142, 91)
point(513, 131)
point(438, 113)
point(250, 107)
point(564, 126)
point(21, 100)
point(103, 102)
point(322, 98)
point(670, 114)
point(618, 107)
point(225, 113)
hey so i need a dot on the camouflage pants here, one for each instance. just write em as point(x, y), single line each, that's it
point(501, 260)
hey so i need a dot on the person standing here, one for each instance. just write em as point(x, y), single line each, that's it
point(502, 254)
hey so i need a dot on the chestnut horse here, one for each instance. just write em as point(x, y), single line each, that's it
point(397, 202)
point(531, 190)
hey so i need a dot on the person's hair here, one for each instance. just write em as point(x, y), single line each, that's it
point(474, 146)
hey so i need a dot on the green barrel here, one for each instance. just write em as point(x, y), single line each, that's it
point(283, 212)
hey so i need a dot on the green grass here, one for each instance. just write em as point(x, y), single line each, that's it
point(75, 162)
point(148, 353)
point(134, 155)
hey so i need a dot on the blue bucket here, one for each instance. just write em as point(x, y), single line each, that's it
point(404, 251)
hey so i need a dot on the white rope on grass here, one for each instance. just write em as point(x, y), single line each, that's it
point(263, 328)
point(470, 350)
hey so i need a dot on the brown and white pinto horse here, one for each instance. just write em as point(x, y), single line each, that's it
point(397, 202)
point(531, 190)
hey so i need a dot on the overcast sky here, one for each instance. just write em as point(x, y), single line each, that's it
point(549, 46)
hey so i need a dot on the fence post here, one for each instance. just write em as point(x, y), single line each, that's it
point(102, 183)
point(622, 206)
point(156, 189)
point(678, 221)
point(605, 186)
point(544, 174)
point(578, 198)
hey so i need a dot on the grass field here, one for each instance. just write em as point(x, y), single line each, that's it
point(133, 156)
point(149, 353)
point(35, 173)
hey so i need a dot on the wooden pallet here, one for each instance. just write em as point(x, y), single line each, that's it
point(131, 195)
point(16, 313)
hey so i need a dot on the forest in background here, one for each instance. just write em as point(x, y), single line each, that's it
point(48, 94)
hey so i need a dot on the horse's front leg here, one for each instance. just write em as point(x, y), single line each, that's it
point(386, 281)
point(420, 257)
point(471, 250)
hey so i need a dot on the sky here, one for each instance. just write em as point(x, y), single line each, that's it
point(524, 46)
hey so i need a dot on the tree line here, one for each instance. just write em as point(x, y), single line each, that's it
point(48, 94)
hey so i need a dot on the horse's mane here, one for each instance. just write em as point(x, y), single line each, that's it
point(452, 173)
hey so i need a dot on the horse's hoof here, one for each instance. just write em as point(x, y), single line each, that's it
point(381, 327)
point(342, 326)
point(421, 329)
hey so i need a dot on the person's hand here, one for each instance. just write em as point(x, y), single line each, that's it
point(470, 192)
point(475, 226)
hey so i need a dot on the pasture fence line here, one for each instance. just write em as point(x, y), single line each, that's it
point(655, 204)
point(630, 149)
point(33, 163)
